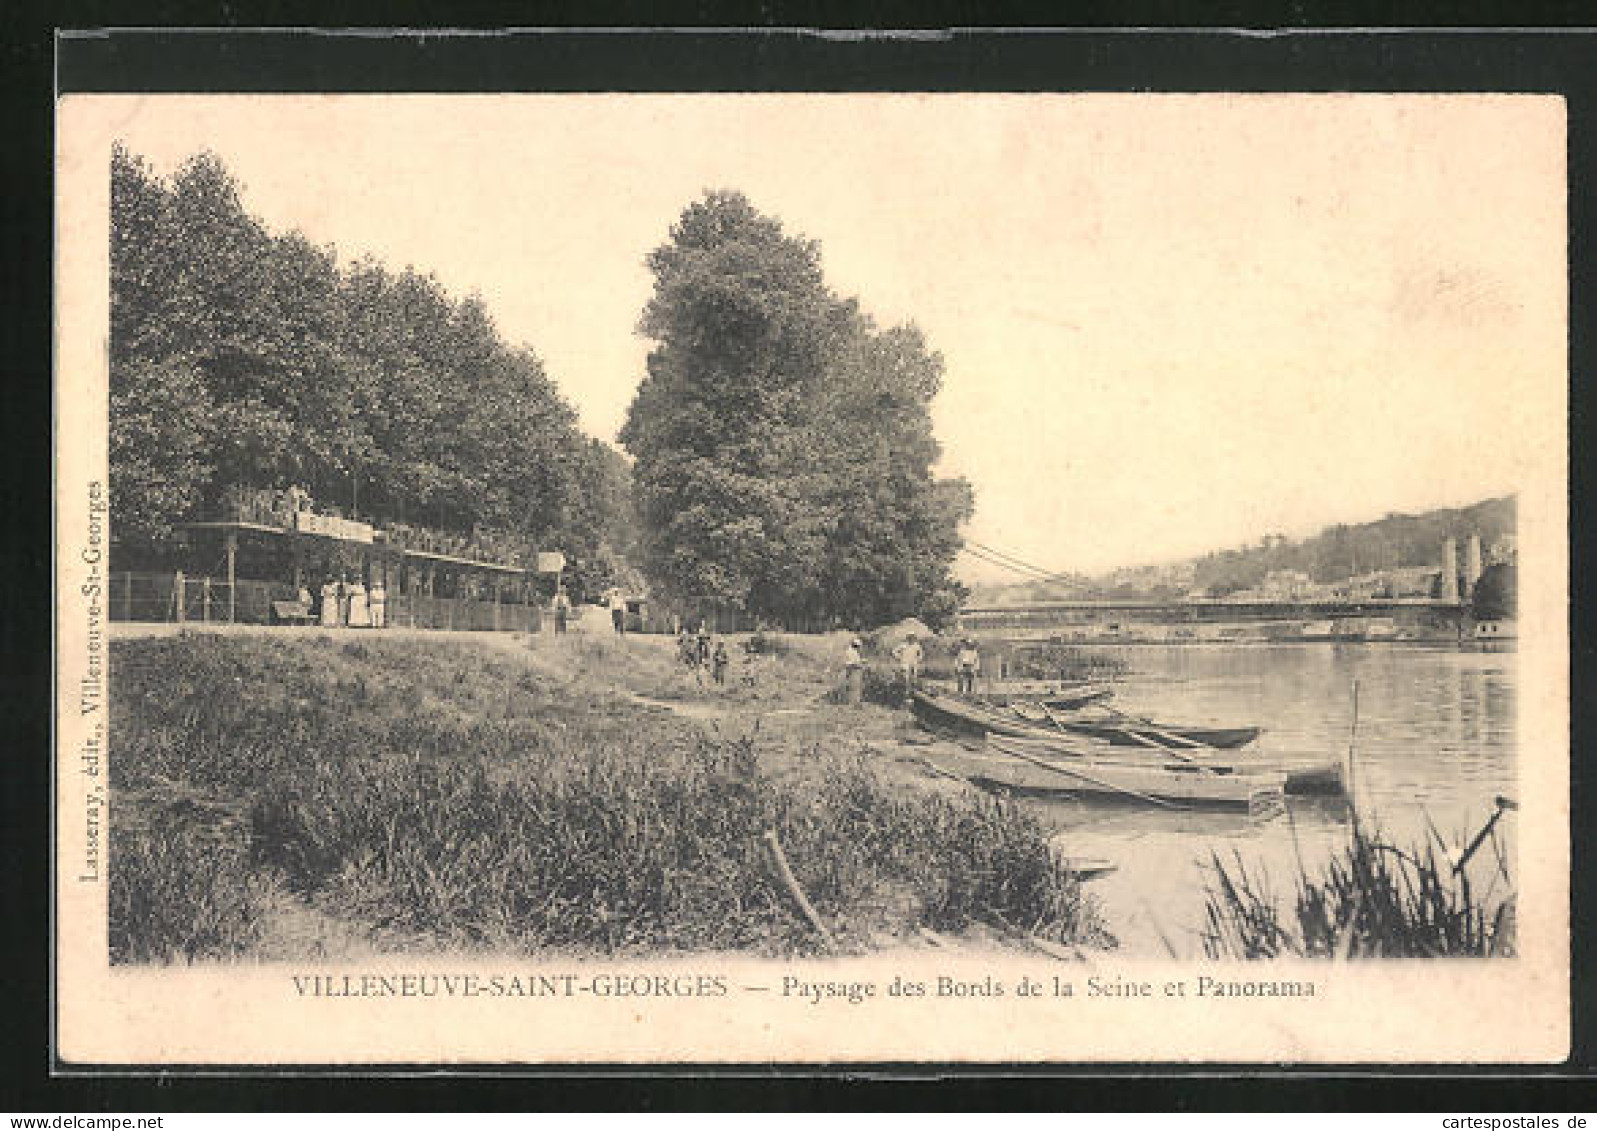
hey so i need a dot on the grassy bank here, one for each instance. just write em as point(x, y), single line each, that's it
point(284, 796)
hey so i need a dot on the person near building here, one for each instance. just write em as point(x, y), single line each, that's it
point(703, 641)
point(967, 666)
point(719, 662)
point(618, 611)
point(329, 603)
point(360, 613)
point(379, 603)
point(909, 655)
point(562, 609)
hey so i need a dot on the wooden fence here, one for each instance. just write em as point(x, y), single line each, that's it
point(158, 598)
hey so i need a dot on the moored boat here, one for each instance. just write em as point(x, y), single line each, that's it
point(948, 715)
point(962, 716)
point(1057, 696)
point(1036, 766)
point(1125, 730)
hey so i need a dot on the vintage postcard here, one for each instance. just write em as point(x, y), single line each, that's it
point(811, 578)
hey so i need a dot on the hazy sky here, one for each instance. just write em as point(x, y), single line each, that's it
point(1171, 323)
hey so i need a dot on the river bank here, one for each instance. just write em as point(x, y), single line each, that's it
point(288, 794)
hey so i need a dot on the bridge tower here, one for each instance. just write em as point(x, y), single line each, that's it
point(1450, 571)
point(1472, 565)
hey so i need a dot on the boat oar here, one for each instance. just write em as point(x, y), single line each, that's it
point(1053, 718)
point(1148, 797)
point(1170, 750)
point(1175, 740)
point(1123, 715)
point(1173, 744)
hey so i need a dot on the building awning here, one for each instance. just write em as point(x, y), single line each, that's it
point(237, 527)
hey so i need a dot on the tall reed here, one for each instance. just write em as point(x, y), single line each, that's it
point(1372, 899)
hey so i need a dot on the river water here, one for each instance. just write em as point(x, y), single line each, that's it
point(1434, 745)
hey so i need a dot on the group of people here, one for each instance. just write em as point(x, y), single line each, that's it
point(909, 654)
point(700, 651)
point(345, 603)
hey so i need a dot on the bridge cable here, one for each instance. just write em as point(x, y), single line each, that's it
point(1027, 572)
point(1009, 561)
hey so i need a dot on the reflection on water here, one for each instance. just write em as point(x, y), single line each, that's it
point(1435, 742)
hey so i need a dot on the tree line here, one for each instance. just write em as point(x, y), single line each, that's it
point(781, 441)
point(242, 356)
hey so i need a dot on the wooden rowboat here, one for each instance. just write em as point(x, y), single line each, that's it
point(946, 715)
point(1059, 697)
point(1035, 766)
point(1055, 696)
point(1125, 730)
point(961, 716)
point(951, 716)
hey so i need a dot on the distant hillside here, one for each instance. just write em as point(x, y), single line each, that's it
point(1394, 542)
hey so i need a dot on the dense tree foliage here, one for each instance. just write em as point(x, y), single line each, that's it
point(782, 440)
point(1496, 595)
point(244, 357)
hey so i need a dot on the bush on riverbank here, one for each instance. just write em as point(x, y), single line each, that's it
point(1371, 900)
point(1064, 662)
point(439, 796)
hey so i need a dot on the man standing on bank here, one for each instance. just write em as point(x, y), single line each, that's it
point(618, 611)
point(909, 655)
point(967, 666)
point(562, 606)
point(854, 672)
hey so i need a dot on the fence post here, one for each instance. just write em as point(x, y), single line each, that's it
point(206, 601)
point(232, 575)
point(179, 597)
point(127, 596)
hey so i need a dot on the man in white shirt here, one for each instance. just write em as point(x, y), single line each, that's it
point(854, 672)
point(909, 655)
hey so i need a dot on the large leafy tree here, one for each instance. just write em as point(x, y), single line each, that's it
point(244, 357)
point(783, 444)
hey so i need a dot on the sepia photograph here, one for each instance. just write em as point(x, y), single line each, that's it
point(812, 577)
